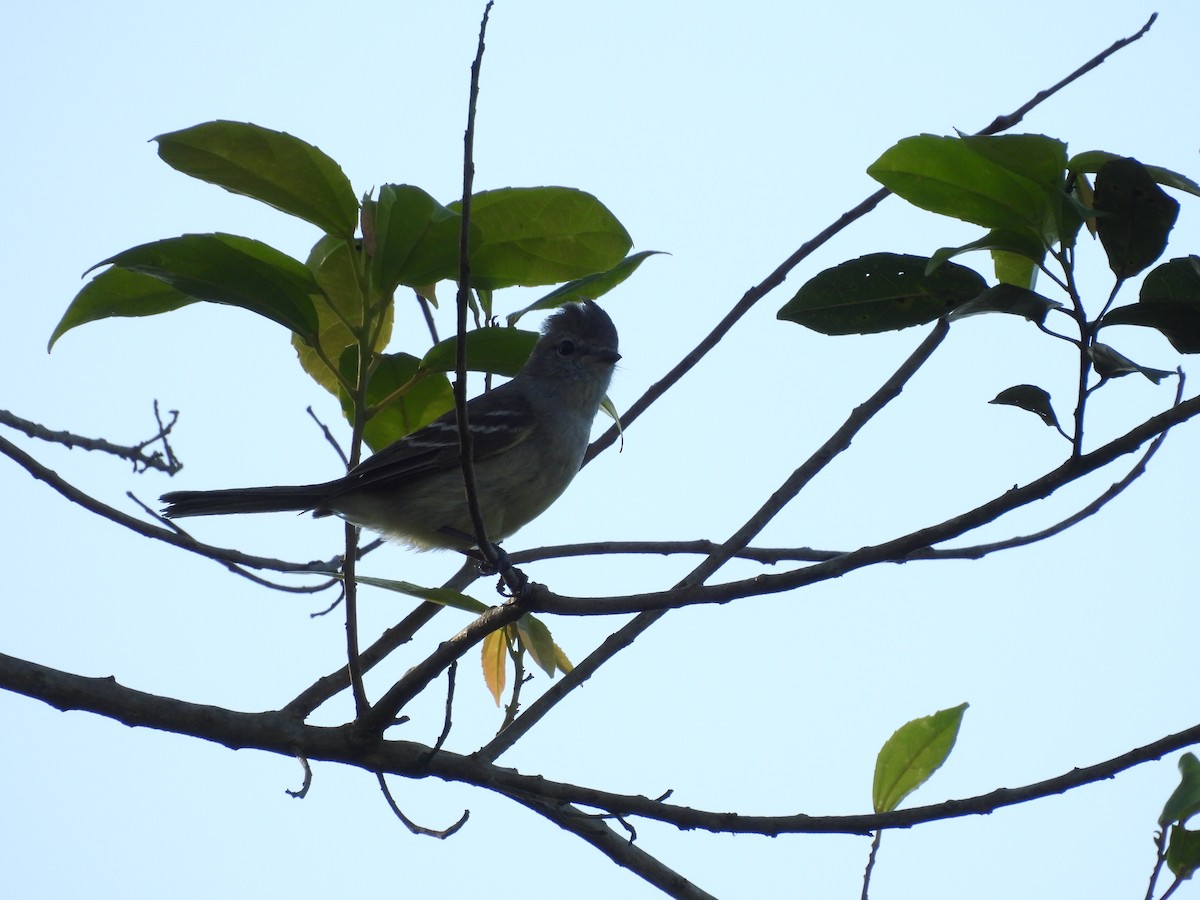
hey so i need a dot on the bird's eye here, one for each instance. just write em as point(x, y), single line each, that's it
point(566, 348)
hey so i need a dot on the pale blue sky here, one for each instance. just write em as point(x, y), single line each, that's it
point(726, 135)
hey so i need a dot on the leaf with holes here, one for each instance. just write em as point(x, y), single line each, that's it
point(1031, 398)
point(880, 292)
point(1136, 216)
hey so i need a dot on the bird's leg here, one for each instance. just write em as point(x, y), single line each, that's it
point(512, 580)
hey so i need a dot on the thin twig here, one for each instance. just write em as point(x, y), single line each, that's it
point(1160, 845)
point(135, 453)
point(306, 784)
point(427, 313)
point(440, 834)
point(174, 535)
point(1003, 123)
point(451, 677)
point(871, 864)
point(465, 439)
point(337, 448)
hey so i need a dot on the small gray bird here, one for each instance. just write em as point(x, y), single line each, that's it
point(529, 435)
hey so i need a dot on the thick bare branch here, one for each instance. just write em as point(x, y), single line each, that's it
point(278, 732)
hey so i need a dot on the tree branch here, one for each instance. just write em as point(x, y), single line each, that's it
point(900, 549)
point(278, 732)
point(142, 461)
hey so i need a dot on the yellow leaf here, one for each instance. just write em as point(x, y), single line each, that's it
point(495, 663)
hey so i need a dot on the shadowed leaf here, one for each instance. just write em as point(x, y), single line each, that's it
point(535, 638)
point(1183, 852)
point(1028, 397)
point(587, 288)
point(118, 292)
point(440, 596)
point(1010, 299)
point(414, 395)
point(1137, 216)
point(1184, 801)
point(502, 351)
point(1111, 364)
point(1169, 302)
point(271, 166)
point(1092, 161)
point(233, 270)
point(880, 292)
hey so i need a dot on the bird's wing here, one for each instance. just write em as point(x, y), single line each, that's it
point(495, 426)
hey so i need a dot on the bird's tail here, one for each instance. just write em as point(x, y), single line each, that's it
point(245, 500)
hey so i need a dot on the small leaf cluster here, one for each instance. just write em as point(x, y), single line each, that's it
point(1034, 203)
point(339, 303)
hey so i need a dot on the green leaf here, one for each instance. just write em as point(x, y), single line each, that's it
point(1091, 161)
point(543, 235)
point(880, 292)
point(416, 238)
point(1021, 244)
point(535, 638)
point(912, 754)
point(1029, 397)
point(118, 292)
point(1137, 216)
point(1017, 270)
point(589, 287)
point(417, 397)
point(440, 596)
point(1041, 159)
point(237, 271)
point(494, 658)
point(1184, 801)
point(1010, 299)
point(502, 351)
point(1169, 302)
point(1111, 364)
point(333, 264)
point(271, 166)
point(950, 177)
point(1183, 852)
